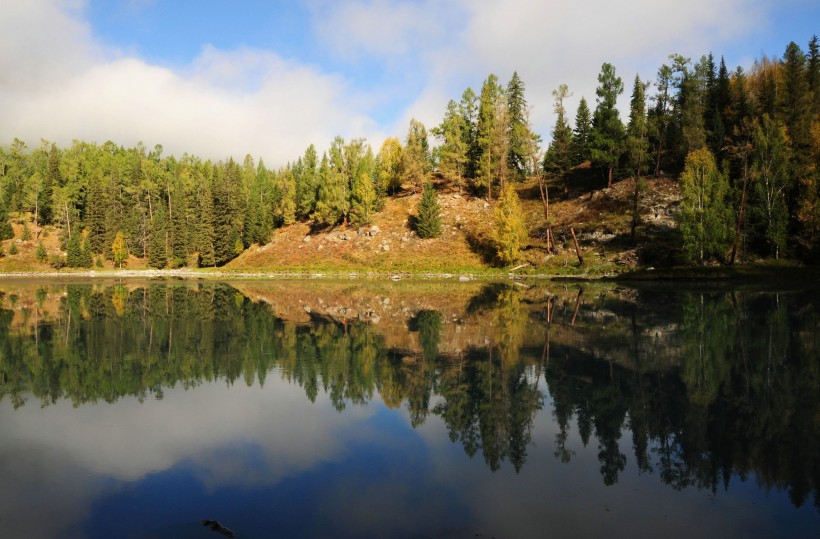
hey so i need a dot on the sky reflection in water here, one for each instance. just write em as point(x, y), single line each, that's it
point(266, 461)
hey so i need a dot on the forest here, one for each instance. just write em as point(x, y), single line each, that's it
point(744, 145)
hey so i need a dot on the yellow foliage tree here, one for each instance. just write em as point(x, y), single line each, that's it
point(510, 231)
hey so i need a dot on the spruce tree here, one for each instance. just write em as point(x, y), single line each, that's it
point(41, 253)
point(453, 149)
point(416, 155)
point(558, 158)
point(486, 134)
point(74, 255)
point(6, 231)
point(158, 239)
point(607, 129)
point(428, 222)
point(510, 230)
point(333, 203)
point(582, 134)
point(306, 177)
point(518, 133)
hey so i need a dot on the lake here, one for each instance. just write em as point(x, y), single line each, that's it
point(410, 409)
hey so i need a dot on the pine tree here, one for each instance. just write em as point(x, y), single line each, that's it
point(558, 158)
point(41, 253)
point(468, 110)
point(428, 222)
point(660, 116)
point(607, 129)
point(706, 215)
point(582, 134)
point(637, 144)
point(416, 155)
point(510, 230)
point(518, 134)
point(158, 238)
point(306, 175)
point(204, 230)
point(813, 68)
point(453, 150)
point(486, 135)
point(333, 203)
point(6, 231)
point(74, 255)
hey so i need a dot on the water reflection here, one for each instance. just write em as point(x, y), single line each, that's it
point(706, 386)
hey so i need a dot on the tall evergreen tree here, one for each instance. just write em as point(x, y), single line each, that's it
point(518, 134)
point(660, 116)
point(416, 155)
point(428, 221)
point(6, 231)
point(332, 204)
point(582, 134)
point(637, 144)
point(607, 129)
point(558, 158)
point(486, 136)
point(307, 182)
point(813, 68)
point(453, 149)
point(468, 110)
point(158, 238)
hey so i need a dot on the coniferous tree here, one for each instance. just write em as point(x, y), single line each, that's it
point(468, 110)
point(332, 203)
point(428, 222)
point(453, 151)
point(558, 158)
point(6, 232)
point(158, 238)
point(637, 144)
point(607, 129)
point(362, 200)
point(582, 134)
point(416, 155)
point(660, 116)
point(518, 134)
point(510, 231)
point(486, 136)
point(204, 231)
point(306, 175)
point(41, 253)
point(95, 217)
point(813, 76)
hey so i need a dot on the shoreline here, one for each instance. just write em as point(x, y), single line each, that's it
point(694, 273)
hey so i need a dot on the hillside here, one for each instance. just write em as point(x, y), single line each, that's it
point(601, 219)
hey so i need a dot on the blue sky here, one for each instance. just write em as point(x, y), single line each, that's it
point(219, 78)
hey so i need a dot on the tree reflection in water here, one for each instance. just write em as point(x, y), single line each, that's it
point(708, 384)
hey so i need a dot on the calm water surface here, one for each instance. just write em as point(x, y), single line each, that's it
point(343, 409)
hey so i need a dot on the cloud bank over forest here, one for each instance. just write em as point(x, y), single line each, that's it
point(376, 64)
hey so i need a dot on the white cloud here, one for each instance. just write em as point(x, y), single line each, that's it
point(225, 103)
point(59, 83)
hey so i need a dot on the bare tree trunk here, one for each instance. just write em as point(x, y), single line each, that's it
point(577, 249)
